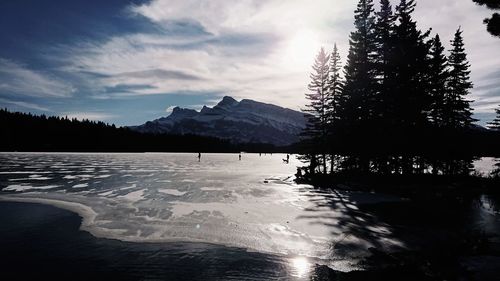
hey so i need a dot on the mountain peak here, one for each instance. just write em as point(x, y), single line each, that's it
point(182, 112)
point(227, 101)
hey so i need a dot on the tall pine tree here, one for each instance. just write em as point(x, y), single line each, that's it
point(316, 131)
point(336, 84)
point(438, 77)
point(410, 59)
point(360, 82)
point(384, 28)
point(459, 111)
point(335, 99)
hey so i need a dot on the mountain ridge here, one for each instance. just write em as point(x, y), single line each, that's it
point(245, 121)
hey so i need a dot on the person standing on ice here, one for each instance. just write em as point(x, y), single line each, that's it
point(240, 156)
point(199, 156)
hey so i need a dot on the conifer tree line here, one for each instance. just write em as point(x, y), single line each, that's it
point(27, 132)
point(399, 105)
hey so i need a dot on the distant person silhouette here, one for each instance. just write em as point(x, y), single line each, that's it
point(199, 156)
point(287, 160)
point(240, 156)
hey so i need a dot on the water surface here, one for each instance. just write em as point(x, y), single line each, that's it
point(251, 205)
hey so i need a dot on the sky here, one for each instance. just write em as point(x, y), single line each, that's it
point(130, 61)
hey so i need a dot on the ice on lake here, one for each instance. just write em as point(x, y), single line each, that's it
point(252, 203)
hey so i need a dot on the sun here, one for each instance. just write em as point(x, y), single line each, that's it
point(302, 47)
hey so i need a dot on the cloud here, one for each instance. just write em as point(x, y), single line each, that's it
point(96, 116)
point(158, 74)
point(23, 104)
point(18, 79)
point(241, 49)
point(256, 49)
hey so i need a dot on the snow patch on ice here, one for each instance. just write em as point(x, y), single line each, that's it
point(21, 187)
point(174, 192)
point(134, 195)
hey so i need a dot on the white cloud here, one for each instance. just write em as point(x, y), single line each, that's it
point(275, 70)
point(18, 79)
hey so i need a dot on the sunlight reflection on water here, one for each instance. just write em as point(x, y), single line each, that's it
point(301, 267)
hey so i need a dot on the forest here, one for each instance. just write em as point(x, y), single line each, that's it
point(27, 132)
point(399, 106)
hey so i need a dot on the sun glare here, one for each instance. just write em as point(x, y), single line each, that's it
point(301, 48)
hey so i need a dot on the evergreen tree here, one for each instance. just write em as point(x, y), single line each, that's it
point(459, 112)
point(410, 65)
point(335, 98)
point(384, 51)
point(360, 84)
point(317, 109)
point(495, 124)
point(438, 77)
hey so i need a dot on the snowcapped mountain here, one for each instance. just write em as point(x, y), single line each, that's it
point(246, 121)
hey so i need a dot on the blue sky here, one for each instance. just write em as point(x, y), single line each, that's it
point(126, 61)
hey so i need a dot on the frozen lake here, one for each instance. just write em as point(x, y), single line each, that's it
point(251, 204)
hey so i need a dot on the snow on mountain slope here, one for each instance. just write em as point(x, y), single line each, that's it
point(244, 122)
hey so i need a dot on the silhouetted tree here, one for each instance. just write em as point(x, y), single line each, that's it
point(493, 23)
point(360, 83)
point(438, 78)
point(317, 111)
point(360, 89)
point(336, 85)
point(384, 37)
point(402, 106)
point(458, 110)
point(495, 123)
point(335, 98)
point(410, 67)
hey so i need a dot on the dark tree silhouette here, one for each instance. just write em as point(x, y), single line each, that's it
point(459, 111)
point(317, 110)
point(360, 82)
point(438, 78)
point(493, 23)
point(495, 123)
point(402, 108)
point(410, 66)
point(335, 99)
point(336, 85)
point(384, 34)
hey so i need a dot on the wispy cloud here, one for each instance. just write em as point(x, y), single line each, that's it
point(253, 49)
point(17, 79)
point(23, 104)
